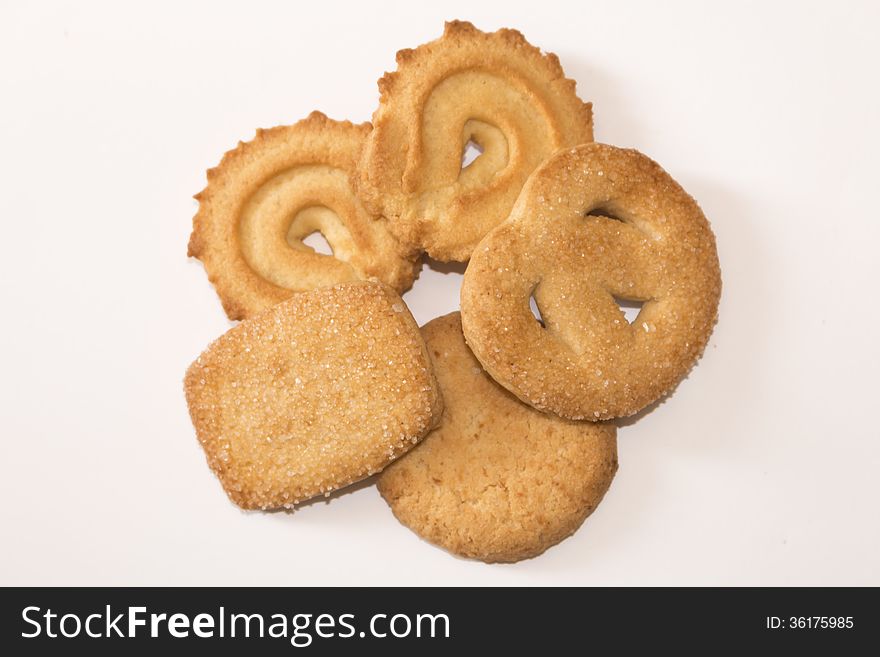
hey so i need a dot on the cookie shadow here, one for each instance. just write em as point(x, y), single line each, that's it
point(745, 268)
point(445, 267)
point(713, 429)
point(324, 500)
point(437, 290)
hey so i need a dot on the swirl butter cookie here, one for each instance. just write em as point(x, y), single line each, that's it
point(595, 224)
point(493, 89)
point(316, 393)
point(496, 480)
point(267, 195)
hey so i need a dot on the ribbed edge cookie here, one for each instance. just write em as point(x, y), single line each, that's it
point(284, 179)
point(492, 87)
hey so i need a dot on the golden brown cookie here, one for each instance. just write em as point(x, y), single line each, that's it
point(595, 224)
point(496, 480)
point(494, 89)
point(316, 393)
point(270, 193)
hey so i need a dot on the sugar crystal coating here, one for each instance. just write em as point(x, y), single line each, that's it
point(313, 394)
point(594, 224)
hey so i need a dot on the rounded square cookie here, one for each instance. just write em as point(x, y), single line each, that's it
point(313, 394)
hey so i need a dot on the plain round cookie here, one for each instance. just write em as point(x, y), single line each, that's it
point(268, 194)
point(496, 480)
point(595, 224)
point(314, 394)
point(494, 89)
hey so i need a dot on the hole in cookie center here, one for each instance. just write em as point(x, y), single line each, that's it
point(604, 213)
point(629, 307)
point(533, 306)
point(318, 243)
point(472, 150)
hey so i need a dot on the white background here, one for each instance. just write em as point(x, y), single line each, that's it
point(762, 468)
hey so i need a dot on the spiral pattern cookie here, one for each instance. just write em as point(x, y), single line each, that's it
point(595, 224)
point(316, 393)
point(493, 89)
point(267, 195)
point(496, 480)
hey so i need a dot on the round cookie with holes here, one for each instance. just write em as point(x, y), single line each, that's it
point(494, 90)
point(314, 394)
point(268, 195)
point(594, 225)
point(496, 480)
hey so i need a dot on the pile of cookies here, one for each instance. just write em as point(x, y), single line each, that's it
point(493, 428)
